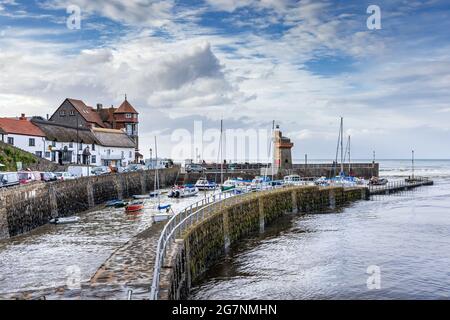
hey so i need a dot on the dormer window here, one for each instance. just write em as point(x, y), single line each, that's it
point(62, 113)
point(72, 113)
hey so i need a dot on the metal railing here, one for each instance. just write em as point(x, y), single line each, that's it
point(191, 215)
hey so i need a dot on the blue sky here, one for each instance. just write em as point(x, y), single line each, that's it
point(302, 63)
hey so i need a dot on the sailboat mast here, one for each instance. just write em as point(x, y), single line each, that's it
point(349, 156)
point(412, 164)
point(221, 151)
point(342, 145)
point(157, 172)
point(273, 145)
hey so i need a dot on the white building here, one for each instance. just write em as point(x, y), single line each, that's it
point(68, 145)
point(21, 133)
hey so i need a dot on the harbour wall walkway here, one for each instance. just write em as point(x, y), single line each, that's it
point(204, 234)
point(25, 208)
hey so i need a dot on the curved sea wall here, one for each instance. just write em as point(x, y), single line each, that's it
point(206, 242)
point(25, 208)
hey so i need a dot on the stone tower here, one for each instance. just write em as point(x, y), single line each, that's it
point(282, 153)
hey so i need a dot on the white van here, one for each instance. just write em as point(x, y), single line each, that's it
point(9, 179)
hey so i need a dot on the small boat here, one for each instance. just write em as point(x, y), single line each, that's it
point(141, 196)
point(158, 217)
point(154, 194)
point(204, 184)
point(135, 206)
point(183, 191)
point(375, 181)
point(116, 203)
point(293, 179)
point(322, 182)
point(67, 220)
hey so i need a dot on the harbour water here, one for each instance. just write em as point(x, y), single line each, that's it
point(50, 255)
point(403, 238)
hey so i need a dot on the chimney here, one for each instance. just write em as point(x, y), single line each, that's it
point(22, 117)
point(99, 106)
point(47, 116)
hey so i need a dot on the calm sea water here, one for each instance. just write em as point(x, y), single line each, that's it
point(327, 256)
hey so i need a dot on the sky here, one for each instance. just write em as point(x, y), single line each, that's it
point(301, 63)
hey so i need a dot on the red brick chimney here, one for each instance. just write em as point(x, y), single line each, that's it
point(22, 117)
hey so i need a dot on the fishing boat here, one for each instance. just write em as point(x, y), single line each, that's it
point(67, 220)
point(183, 191)
point(163, 215)
point(135, 206)
point(259, 183)
point(204, 185)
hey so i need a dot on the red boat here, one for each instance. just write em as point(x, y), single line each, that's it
point(135, 206)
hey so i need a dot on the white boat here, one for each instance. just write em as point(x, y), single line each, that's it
point(162, 216)
point(293, 179)
point(183, 192)
point(204, 184)
point(67, 220)
point(322, 182)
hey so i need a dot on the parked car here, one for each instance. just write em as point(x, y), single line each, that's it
point(98, 171)
point(48, 176)
point(136, 167)
point(8, 179)
point(194, 168)
point(122, 170)
point(63, 176)
point(26, 177)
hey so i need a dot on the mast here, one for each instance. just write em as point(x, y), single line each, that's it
point(349, 156)
point(221, 151)
point(342, 145)
point(272, 145)
point(412, 164)
point(157, 173)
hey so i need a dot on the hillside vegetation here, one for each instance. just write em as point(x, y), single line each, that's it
point(9, 156)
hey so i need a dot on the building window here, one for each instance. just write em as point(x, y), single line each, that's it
point(53, 143)
point(31, 142)
point(93, 147)
point(80, 146)
point(71, 145)
point(94, 159)
point(71, 113)
point(47, 154)
point(62, 113)
point(131, 154)
point(39, 154)
point(135, 116)
point(123, 154)
point(129, 115)
point(11, 141)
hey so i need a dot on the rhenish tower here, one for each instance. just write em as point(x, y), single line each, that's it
point(282, 157)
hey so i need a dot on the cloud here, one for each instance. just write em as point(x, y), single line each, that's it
point(130, 12)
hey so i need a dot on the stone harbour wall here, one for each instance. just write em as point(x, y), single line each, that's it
point(207, 242)
point(25, 208)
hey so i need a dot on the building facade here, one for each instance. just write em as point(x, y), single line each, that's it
point(75, 113)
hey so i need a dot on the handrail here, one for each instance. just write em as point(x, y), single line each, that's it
point(186, 218)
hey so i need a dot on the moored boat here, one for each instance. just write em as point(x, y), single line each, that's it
point(204, 184)
point(66, 220)
point(135, 206)
point(183, 191)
